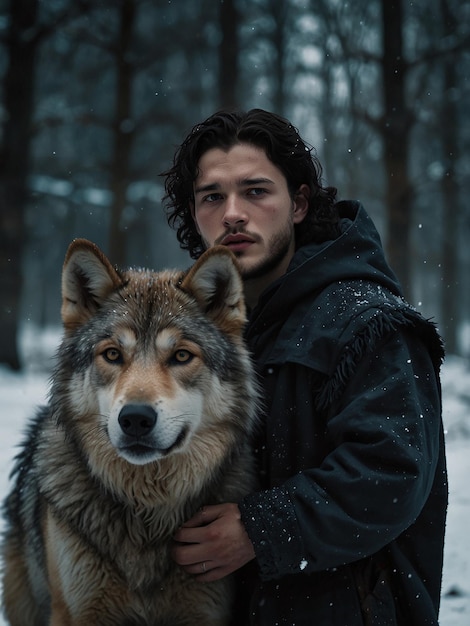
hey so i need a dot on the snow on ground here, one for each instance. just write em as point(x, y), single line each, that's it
point(20, 393)
point(455, 605)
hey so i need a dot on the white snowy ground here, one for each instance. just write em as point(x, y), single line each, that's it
point(19, 393)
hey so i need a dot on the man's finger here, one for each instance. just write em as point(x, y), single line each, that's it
point(204, 516)
point(188, 534)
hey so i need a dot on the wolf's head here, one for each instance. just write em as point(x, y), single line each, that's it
point(152, 363)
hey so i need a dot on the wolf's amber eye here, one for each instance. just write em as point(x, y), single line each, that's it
point(182, 356)
point(113, 355)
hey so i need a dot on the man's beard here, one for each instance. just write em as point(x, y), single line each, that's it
point(278, 248)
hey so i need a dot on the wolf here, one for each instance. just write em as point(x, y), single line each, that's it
point(152, 405)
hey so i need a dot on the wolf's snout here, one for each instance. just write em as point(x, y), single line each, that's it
point(137, 420)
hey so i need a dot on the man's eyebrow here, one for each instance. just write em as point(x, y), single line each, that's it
point(244, 182)
point(255, 181)
point(206, 188)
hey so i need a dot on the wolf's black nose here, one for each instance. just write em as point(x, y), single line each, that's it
point(137, 420)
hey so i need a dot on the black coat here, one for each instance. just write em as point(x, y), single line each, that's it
point(349, 526)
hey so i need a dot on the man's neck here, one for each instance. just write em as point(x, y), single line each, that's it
point(252, 293)
point(254, 287)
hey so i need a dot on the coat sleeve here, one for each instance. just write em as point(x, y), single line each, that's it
point(374, 479)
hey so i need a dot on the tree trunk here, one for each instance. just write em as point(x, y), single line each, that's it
point(14, 168)
point(123, 135)
point(228, 54)
point(279, 13)
point(450, 193)
point(395, 133)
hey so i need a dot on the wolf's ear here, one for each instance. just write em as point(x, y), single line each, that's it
point(215, 282)
point(87, 278)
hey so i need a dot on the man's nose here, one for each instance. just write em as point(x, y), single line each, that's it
point(234, 212)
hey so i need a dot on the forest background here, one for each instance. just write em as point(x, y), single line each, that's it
point(95, 96)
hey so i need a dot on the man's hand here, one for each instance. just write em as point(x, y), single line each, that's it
point(213, 543)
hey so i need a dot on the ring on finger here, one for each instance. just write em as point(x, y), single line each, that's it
point(203, 567)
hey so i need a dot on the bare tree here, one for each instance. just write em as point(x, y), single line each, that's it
point(450, 189)
point(280, 12)
point(228, 54)
point(122, 130)
point(21, 43)
point(396, 139)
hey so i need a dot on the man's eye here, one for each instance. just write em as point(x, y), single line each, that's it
point(182, 356)
point(212, 197)
point(256, 191)
point(113, 355)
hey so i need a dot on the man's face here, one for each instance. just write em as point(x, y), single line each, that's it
point(241, 200)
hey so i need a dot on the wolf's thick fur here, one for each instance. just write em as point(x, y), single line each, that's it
point(151, 408)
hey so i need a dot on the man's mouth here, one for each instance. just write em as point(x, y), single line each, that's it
point(237, 242)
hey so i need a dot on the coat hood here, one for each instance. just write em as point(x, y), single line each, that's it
point(356, 254)
point(334, 298)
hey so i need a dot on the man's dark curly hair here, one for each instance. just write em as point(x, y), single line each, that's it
point(283, 146)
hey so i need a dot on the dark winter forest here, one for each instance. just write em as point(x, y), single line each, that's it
point(95, 95)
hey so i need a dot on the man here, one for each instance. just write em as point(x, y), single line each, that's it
point(348, 525)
